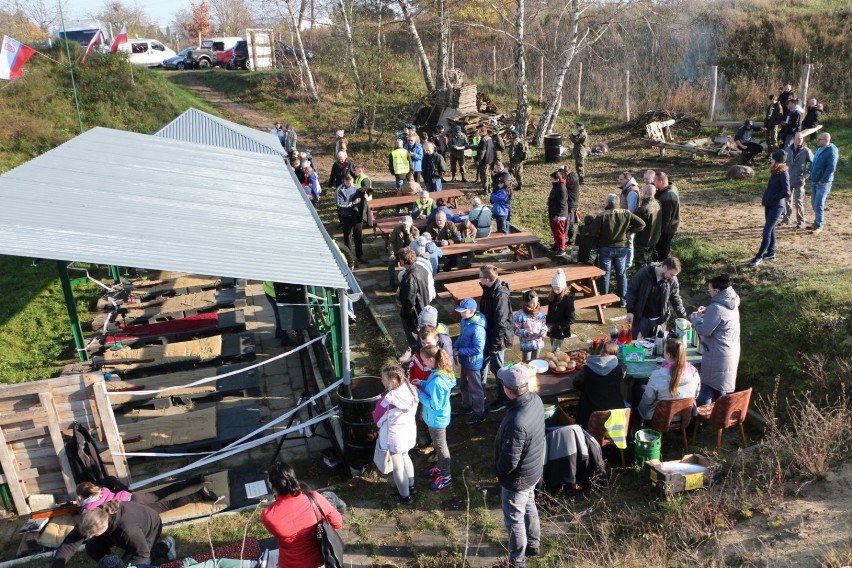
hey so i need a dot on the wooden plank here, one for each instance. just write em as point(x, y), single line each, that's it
point(492, 242)
point(449, 195)
point(111, 433)
point(198, 424)
point(728, 124)
point(18, 435)
point(26, 416)
point(55, 432)
point(33, 388)
point(10, 468)
point(503, 267)
point(523, 280)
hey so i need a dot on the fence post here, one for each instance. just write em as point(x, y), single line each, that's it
point(715, 82)
point(494, 64)
point(579, 87)
point(806, 77)
point(541, 80)
point(627, 97)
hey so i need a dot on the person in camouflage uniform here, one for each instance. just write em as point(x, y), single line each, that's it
point(518, 152)
point(581, 150)
point(458, 144)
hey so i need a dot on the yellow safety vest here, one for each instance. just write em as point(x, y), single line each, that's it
point(269, 288)
point(474, 144)
point(400, 161)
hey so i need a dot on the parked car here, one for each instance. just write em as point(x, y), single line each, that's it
point(205, 56)
point(179, 60)
point(284, 52)
point(240, 57)
point(148, 52)
point(223, 58)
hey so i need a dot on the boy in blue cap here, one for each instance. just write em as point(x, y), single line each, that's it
point(470, 351)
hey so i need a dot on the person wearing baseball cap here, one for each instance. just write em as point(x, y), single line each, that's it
point(743, 142)
point(470, 349)
point(519, 455)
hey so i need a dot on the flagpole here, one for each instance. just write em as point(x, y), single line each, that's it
point(71, 69)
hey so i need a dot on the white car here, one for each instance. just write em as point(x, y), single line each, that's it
point(148, 52)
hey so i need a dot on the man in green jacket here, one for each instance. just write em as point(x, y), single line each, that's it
point(669, 200)
point(518, 151)
point(581, 149)
point(613, 228)
point(457, 146)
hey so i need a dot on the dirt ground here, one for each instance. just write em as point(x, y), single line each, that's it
point(812, 523)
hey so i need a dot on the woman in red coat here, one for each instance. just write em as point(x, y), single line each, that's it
point(292, 519)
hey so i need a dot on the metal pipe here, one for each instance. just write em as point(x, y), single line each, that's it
point(344, 344)
point(71, 306)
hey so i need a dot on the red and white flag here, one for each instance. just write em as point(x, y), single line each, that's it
point(13, 55)
point(96, 39)
point(121, 38)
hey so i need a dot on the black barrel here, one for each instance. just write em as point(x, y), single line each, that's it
point(356, 418)
point(552, 147)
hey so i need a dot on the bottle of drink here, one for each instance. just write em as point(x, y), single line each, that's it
point(613, 335)
point(659, 342)
point(622, 335)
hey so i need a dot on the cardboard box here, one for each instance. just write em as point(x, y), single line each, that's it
point(670, 482)
point(633, 354)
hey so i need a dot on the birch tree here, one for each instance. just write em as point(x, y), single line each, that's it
point(443, 44)
point(347, 30)
point(424, 60)
point(300, 55)
point(521, 68)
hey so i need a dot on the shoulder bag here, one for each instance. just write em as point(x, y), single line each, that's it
point(330, 543)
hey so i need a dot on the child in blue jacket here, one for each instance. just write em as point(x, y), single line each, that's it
point(434, 395)
point(470, 351)
point(501, 199)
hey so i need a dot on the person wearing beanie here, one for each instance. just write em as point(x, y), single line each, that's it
point(776, 194)
point(341, 144)
point(458, 143)
point(518, 150)
point(744, 143)
point(560, 311)
point(429, 317)
point(440, 140)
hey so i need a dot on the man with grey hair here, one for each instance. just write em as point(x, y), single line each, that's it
point(799, 157)
point(612, 228)
point(339, 170)
point(480, 217)
point(434, 167)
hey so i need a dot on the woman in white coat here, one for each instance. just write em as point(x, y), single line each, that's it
point(718, 328)
point(395, 415)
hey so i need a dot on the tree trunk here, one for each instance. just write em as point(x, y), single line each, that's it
point(548, 116)
point(443, 44)
point(521, 117)
point(424, 60)
point(350, 48)
point(302, 59)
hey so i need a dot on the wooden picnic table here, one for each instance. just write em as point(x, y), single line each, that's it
point(517, 242)
point(581, 278)
point(448, 195)
point(386, 225)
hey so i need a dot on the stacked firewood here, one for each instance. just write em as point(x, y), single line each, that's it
point(682, 121)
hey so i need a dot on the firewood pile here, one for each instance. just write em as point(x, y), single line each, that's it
point(462, 98)
point(682, 121)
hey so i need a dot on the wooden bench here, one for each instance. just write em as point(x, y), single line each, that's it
point(597, 302)
point(514, 241)
point(504, 267)
point(448, 195)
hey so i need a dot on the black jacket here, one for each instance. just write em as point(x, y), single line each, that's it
point(519, 446)
point(496, 306)
point(134, 528)
point(485, 152)
point(793, 123)
point(599, 392)
point(338, 172)
point(565, 470)
point(777, 190)
point(573, 186)
point(560, 316)
point(774, 115)
point(413, 291)
point(639, 290)
point(669, 209)
point(434, 166)
point(812, 117)
point(557, 201)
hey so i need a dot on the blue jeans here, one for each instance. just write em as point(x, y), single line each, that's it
point(708, 394)
point(630, 251)
point(767, 244)
point(434, 185)
point(617, 255)
point(819, 193)
point(502, 224)
point(494, 361)
point(520, 516)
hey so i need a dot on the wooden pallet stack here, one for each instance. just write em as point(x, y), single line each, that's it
point(461, 98)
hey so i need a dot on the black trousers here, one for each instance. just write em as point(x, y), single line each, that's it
point(157, 499)
point(752, 150)
point(352, 228)
point(409, 327)
point(664, 246)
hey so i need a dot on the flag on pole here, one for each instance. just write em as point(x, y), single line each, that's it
point(122, 38)
point(13, 55)
point(96, 39)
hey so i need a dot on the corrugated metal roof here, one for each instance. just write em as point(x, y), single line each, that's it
point(127, 199)
point(198, 126)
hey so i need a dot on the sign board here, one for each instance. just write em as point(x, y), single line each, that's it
point(260, 48)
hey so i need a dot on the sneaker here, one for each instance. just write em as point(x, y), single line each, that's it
point(426, 450)
point(756, 262)
point(166, 548)
point(475, 419)
point(461, 411)
point(412, 491)
point(560, 253)
point(402, 501)
point(209, 494)
point(496, 406)
point(784, 222)
point(405, 357)
point(772, 256)
point(531, 551)
point(432, 472)
point(440, 482)
point(800, 226)
point(817, 231)
point(811, 227)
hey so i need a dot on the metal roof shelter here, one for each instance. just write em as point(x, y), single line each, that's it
point(198, 126)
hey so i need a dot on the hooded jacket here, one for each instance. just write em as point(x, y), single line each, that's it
point(519, 447)
point(777, 190)
point(530, 329)
point(557, 201)
point(658, 388)
point(398, 424)
point(669, 209)
point(649, 211)
point(496, 306)
point(824, 164)
point(470, 345)
point(601, 386)
point(629, 198)
point(435, 398)
point(560, 316)
point(718, 329)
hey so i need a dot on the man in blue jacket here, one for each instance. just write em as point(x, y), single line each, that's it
point(470, 351)
point(822, 176)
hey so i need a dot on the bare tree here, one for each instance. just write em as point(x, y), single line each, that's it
point(134, 17)
point(300, 55)
point(443, 44)
point(350, 48)
point(424, 60)
point(43, 14)
point(233, 16)
point(521, 64)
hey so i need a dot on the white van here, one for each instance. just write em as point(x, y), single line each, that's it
point(148, 52)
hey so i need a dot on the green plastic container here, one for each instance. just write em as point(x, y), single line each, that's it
point(647, 444)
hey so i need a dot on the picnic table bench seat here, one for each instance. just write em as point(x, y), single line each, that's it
point(504, 267)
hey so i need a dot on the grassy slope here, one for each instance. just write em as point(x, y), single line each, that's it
point(37, 112)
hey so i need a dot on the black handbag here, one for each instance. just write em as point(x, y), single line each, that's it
point(330, 542)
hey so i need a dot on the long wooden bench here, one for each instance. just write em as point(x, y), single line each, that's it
point(448, 195)
point(504, 267)
point(597, 302)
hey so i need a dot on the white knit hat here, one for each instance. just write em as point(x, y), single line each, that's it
point(559, 280)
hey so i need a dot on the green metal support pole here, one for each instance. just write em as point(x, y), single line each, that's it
point(71, 306)
point(116, 277)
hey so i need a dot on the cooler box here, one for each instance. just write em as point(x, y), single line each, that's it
point(690, 472)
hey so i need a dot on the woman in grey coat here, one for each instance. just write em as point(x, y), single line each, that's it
point(718, 328)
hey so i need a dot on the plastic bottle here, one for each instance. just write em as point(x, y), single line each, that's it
point(659, 342)
point(613, 335)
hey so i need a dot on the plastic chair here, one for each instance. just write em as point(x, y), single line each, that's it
point(667, 411)
point(724, 412)
point(598, 431)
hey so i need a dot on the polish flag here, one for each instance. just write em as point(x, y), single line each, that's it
point(122, 38)
point(96, 39)
point(13, 55)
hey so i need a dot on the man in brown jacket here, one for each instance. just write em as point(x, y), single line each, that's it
point(445, 233)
